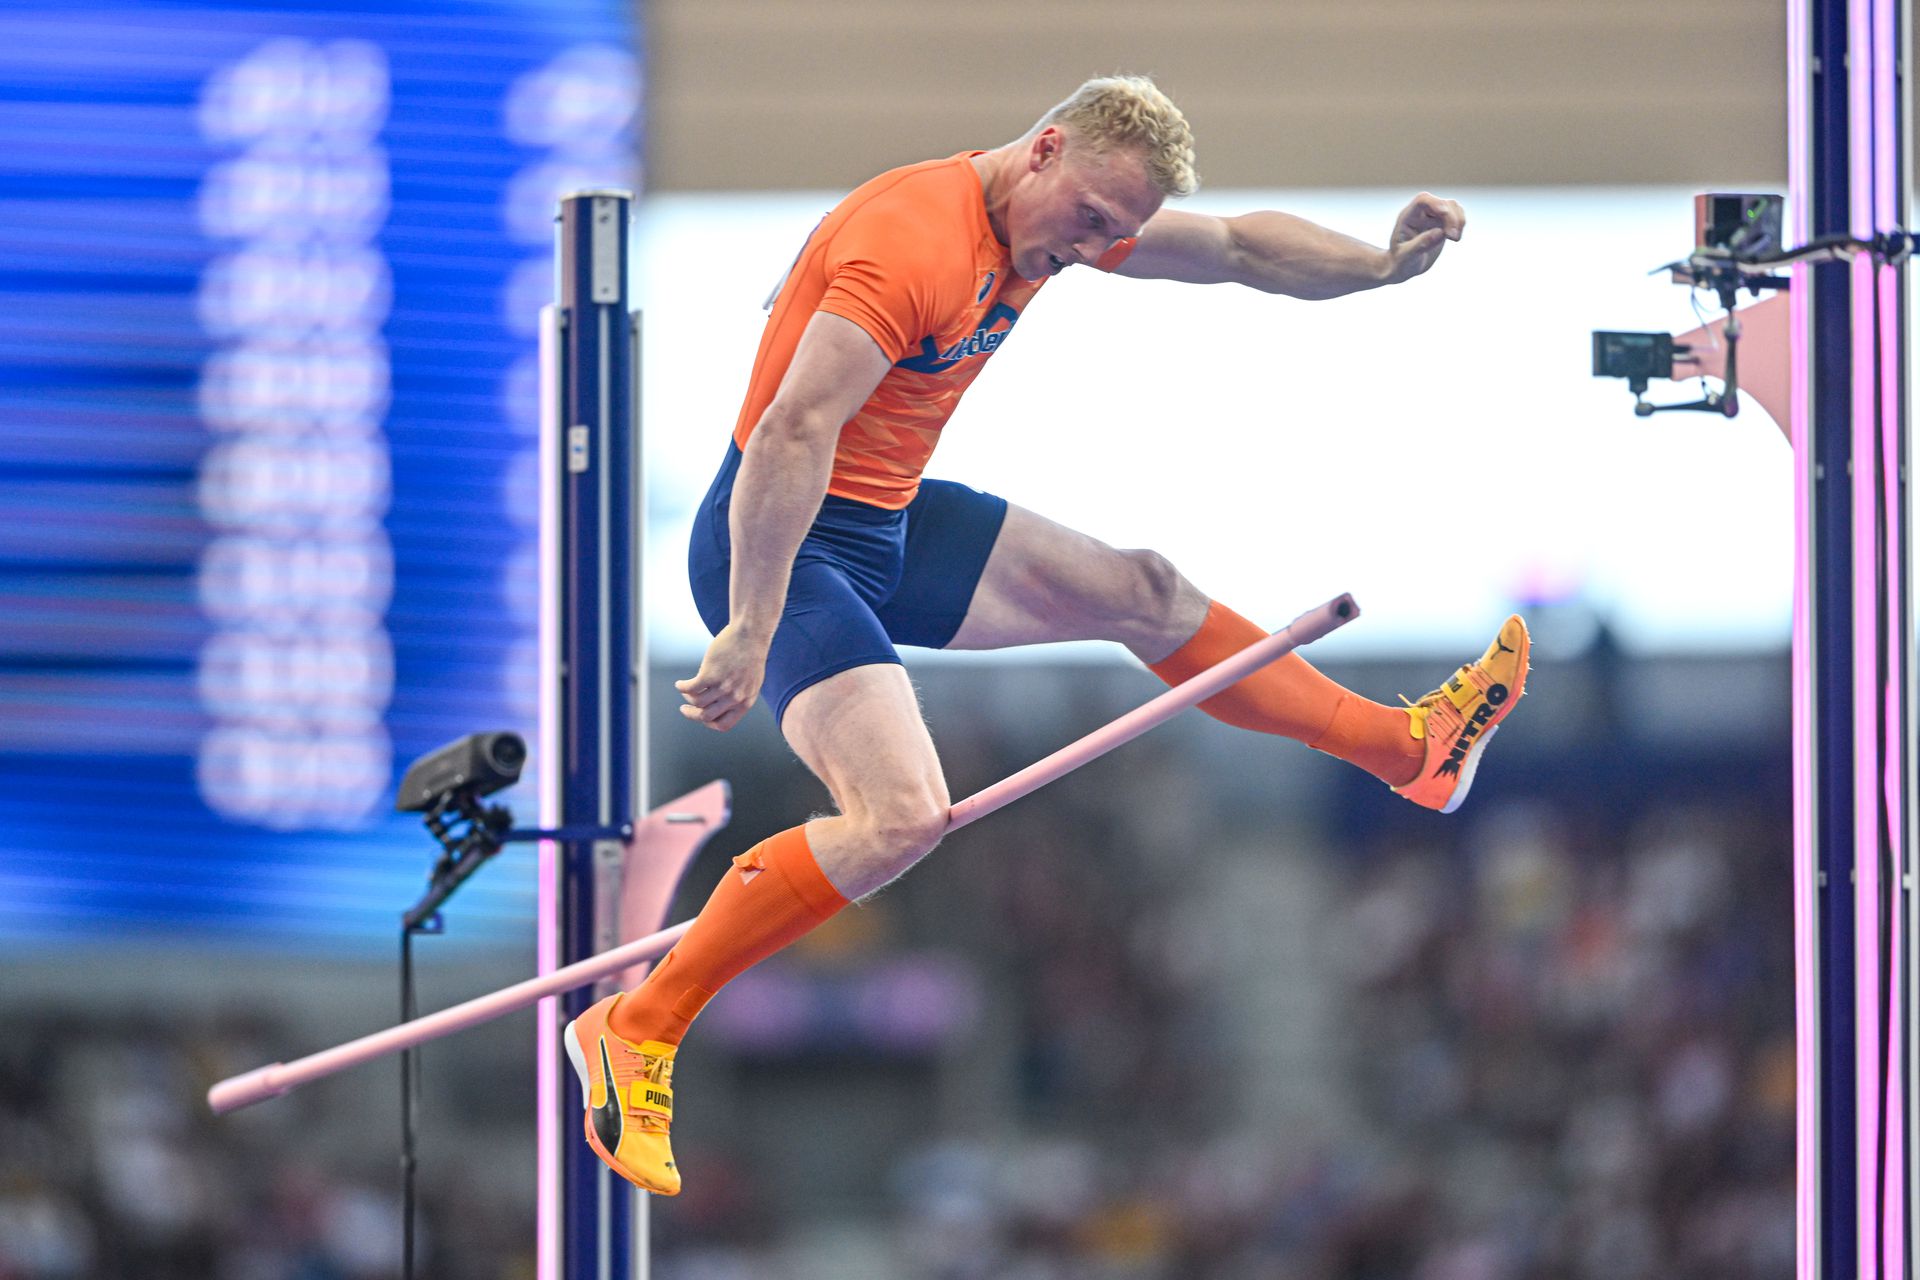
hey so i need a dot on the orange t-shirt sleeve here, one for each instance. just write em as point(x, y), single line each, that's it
point(1116, 255)
point(876, 279)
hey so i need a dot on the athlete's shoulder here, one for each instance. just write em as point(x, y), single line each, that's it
point(932, 197)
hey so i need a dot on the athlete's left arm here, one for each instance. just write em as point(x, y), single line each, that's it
point(1280, 253)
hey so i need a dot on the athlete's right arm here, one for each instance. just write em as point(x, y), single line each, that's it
point(782, 480)
point(789, 460)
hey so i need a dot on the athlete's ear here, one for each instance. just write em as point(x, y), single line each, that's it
point(1046, 148)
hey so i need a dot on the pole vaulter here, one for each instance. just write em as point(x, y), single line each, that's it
point(278, 1078)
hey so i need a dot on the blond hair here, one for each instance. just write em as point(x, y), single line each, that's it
point(1114, 112)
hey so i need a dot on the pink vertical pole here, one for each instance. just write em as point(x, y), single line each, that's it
point(1887, 215)
point(1867, 802)
point(547, 1264)
point(1889, 707)
point(1806, 970)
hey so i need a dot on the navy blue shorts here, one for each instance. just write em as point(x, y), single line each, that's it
point(865, 578)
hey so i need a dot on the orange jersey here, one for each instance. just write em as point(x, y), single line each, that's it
point(911, 258)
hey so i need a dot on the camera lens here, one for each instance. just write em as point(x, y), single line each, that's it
point(506, 752)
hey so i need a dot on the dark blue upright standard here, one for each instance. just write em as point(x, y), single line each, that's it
point(1831, 556)
point(602, 1217)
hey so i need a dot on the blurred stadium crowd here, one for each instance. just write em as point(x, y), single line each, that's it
point(1211, 1009)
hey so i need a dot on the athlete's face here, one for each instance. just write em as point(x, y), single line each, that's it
point(1072, 208)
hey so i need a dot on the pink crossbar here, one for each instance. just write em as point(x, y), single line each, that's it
point(277, 1078)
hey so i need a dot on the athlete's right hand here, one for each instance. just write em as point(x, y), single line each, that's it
point(724, 688)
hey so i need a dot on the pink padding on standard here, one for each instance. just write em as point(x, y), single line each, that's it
point(1766, 363)
point(664, 844)
point(271, 1081)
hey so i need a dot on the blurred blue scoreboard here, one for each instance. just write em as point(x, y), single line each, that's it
point(268, 401)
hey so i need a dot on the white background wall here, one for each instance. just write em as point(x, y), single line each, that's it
point(1440, 449)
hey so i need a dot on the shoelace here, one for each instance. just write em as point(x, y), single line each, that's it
point(1440, 695)
point(654, 1070)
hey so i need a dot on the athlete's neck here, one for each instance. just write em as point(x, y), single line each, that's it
point(996, 181)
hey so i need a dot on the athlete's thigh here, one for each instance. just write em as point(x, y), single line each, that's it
point(1045, 582)
point(950, 533)
point(861, 732)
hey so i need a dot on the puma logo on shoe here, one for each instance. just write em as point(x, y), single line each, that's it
point(608, 1122)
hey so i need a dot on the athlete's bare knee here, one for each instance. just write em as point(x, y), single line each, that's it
point(891, 831)
point(1164, 608)
point(904, 826)
point(1159, 587)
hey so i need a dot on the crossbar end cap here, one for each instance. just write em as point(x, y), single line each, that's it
point(244, 1090)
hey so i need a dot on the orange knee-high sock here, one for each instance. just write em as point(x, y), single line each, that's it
point(1291, 699)
point(771, 895)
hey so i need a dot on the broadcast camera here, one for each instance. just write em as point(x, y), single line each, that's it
point(445, 787)
point(478, 764)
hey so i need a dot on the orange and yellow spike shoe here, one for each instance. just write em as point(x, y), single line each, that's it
point(628, 1091)
point(1458, 719)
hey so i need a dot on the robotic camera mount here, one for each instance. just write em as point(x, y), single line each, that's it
point(1737, 245)
point(1735, 237)
point(445, 787)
